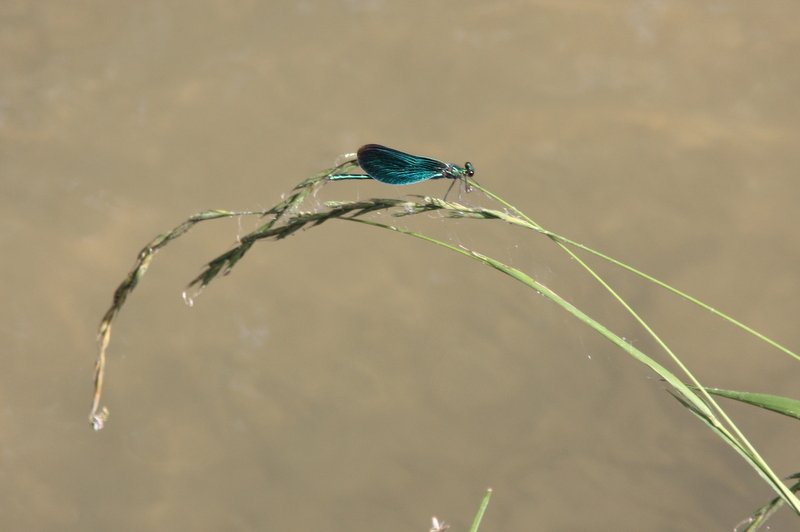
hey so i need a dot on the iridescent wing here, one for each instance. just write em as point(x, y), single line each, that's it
point(397, 168)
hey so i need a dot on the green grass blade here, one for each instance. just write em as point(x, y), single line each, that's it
point(481, 510)
point(698, 404)
point(781, 405)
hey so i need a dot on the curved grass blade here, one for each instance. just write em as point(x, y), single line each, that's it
point(98, 416)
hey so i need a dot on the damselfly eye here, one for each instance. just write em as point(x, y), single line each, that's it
point(470, 169)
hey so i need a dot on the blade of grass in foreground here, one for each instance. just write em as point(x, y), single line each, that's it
point(481, 510)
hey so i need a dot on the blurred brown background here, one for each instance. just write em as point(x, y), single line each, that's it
point(353, 379)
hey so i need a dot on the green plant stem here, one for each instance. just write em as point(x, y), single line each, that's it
point(287, 219)
point(481, 510)
point(746, 447)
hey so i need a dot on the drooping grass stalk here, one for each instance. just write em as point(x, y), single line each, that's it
point(98, 415)
point(287, 218)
